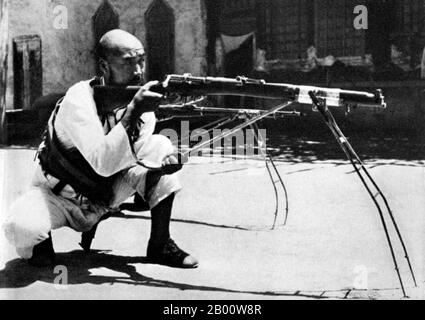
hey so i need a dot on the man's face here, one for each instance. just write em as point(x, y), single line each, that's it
point(127, 68)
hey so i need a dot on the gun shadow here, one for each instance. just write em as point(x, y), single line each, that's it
point(140, 216)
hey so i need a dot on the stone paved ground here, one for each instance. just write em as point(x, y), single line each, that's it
point(332, 238)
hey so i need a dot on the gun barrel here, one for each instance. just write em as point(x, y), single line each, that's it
point(212, 86)
point(188, 85)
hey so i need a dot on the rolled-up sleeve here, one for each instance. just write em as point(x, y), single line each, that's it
point(78, 124)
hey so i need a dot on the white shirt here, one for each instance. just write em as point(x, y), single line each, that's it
point(78, 124)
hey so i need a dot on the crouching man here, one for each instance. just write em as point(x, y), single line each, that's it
point(89, 164)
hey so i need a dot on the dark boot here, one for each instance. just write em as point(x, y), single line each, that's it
point(43, 254)
point(161, 248)
point(170, 254)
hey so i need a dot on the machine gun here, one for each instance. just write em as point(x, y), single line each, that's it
point(109, 98)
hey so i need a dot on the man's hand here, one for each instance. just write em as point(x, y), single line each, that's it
point(146, 100)
point(169, 160)
point(171, 164)
point(174, 163)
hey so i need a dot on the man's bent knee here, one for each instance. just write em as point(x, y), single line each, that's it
point(24, 235)
point(28, 221)
point(163, 142)
point(156, 149)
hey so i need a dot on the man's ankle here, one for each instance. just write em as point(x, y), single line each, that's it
point(158, 241)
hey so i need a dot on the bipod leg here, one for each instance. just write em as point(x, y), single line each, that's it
point(269, 159)
point(380, 194)
point(280, 180)
point(360, 168)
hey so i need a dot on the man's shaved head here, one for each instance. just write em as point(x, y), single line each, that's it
point(119, 43)
point(121, 58)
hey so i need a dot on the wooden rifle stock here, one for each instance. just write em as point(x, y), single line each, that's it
point(110, 97)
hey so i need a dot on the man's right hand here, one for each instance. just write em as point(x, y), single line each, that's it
point(146, 100)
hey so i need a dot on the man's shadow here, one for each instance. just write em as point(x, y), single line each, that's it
point(19, 274)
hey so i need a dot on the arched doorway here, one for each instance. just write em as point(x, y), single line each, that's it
point(106, 18)
point(160, 40)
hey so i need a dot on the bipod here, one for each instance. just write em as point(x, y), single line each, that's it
point(368, 182)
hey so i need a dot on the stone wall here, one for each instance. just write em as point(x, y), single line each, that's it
point(68, 54)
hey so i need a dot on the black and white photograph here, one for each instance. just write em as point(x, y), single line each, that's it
point(212, 150)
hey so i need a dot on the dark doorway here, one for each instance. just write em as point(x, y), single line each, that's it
point(160, 40)
point(105, 19)
point(240, 63)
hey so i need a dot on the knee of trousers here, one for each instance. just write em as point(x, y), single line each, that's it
point(167, 185)
point(24, 234)
point(157, 149)
point(26, 225)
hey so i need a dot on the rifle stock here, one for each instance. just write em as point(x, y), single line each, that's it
point(110, 97)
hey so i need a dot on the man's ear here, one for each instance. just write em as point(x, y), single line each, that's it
point(104, 67)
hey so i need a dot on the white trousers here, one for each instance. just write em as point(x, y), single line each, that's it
point(38, 211)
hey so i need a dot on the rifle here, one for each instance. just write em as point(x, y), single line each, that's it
point(110, 97)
